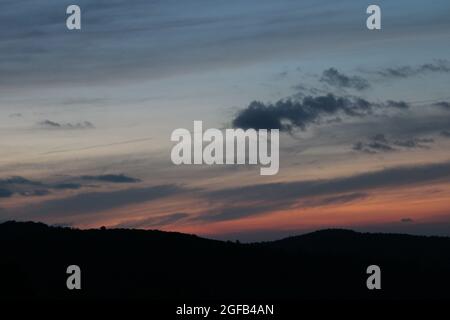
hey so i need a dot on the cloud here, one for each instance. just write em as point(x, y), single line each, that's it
point(37, 45)
point(21, 186)
point(240, 202)
point(443, 104)
point(442, 66)
point(379, 143)
point(151, 222)
point(25, 187)
point(94, 202)
point(37, 48)
point(406, 220)
point(413, 143)
point(114, 178)
point(288, 114)
point(98, 146)
point(47, 124)
point(398, 104)
point(262, 198)
point(34, 193)
point(5, 193)
point(445, 134)
point(334, 78)
point(19, 180)
point(372, 147)
point(67, 185)
point(340, 199)
point(233, 212)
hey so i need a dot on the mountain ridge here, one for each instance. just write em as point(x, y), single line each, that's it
point(159, 265)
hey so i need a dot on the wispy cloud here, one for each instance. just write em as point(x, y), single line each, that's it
point(48, 124)
point(438, 66)
point(89, 203)
point(263, 198)
point(337, 79)
point(380, 143)
point(157, 221)
point(18, 185)
point(115, 178)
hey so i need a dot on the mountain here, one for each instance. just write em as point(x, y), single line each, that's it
point(168, 266)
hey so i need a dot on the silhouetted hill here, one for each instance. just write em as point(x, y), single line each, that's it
point(122, 263)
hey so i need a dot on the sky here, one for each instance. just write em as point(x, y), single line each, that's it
point(86, 115)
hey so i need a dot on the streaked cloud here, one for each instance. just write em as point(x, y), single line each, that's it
point(115, 178)
point(262, 198)
point(25, 187)
point(157, 221)
point(48, 124)
point(337, 79)
point(438, 66)
point(379, 143)
point(88, 204)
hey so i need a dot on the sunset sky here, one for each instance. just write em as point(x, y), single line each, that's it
point(86, 115)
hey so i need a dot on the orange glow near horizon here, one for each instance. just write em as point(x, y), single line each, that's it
point(420, 204)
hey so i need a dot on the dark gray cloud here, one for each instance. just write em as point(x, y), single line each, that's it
point(67, 185)
point(257, 199)
point(379, 143)
point(337, 79)
point(442, 66)
point(48, 124)
point(414, 124)
point(445, 134)
point(95, 202)
point(19, 180)
point(288, 114)
point(413, 143)
point(21, 186)
point(25, 187)
point(372, 147)
point(443, 104)
point(303, 91)
point(34, 193)
point(5, 193)
point(398, 104)
point(360, 146)
point(114, 178)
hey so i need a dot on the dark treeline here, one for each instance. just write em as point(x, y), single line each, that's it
point(120, 263)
